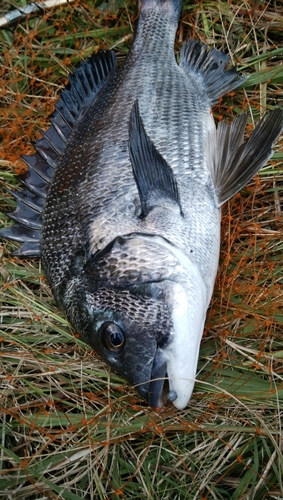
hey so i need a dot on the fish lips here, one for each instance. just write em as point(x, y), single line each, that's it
point(175, 360)
point(159, 392)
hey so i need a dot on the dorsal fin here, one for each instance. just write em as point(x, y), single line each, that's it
point(81, 91)
point(154, 177)
point(235, 162)
point(210, 65)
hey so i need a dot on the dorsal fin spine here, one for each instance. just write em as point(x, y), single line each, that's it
point(77, 96)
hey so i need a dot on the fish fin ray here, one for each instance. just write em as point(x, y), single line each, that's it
point(235, 161)
point(210, 64)
point(83, 86)
point(81, 91)
point(18, 233)
point(153, 175)
point(28, 198)
point(25, 216)
point(29, 250)
point(30, 239)
point(53, 140)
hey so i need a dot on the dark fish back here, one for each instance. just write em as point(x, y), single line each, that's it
point(83, 87)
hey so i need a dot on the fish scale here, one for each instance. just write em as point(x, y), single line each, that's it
point(185, 159)
point(133, 173)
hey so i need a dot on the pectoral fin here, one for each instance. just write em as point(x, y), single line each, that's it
point(154, 177)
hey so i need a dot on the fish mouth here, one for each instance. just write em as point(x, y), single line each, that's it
point(159, 390)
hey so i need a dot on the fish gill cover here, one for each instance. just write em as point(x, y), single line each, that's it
point(61, 406)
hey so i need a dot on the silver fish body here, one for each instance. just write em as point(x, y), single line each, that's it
point(176, 116)
point(130, 229)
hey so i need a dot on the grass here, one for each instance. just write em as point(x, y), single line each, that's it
point(70, 429)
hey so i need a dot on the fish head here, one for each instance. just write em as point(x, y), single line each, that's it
point(143, 311)
point(128, 331)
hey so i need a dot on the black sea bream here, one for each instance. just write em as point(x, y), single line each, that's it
point(122, 200)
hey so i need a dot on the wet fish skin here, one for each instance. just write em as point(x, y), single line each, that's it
point(104, 211)
point(131, 224)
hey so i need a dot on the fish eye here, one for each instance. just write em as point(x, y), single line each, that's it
point(112, 336)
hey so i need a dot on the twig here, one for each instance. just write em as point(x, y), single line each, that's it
point(33, 9)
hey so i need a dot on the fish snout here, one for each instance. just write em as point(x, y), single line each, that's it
point(175, 362)
point(159, 391)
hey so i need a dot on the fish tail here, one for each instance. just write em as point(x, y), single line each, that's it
point(210, 64)
point(165, 7)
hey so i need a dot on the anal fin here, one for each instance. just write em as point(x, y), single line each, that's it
point(210, 65)
point(154, 177)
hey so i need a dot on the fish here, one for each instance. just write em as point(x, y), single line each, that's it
point(122, 200)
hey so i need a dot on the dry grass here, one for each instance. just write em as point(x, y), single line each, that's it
point(69, 428)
